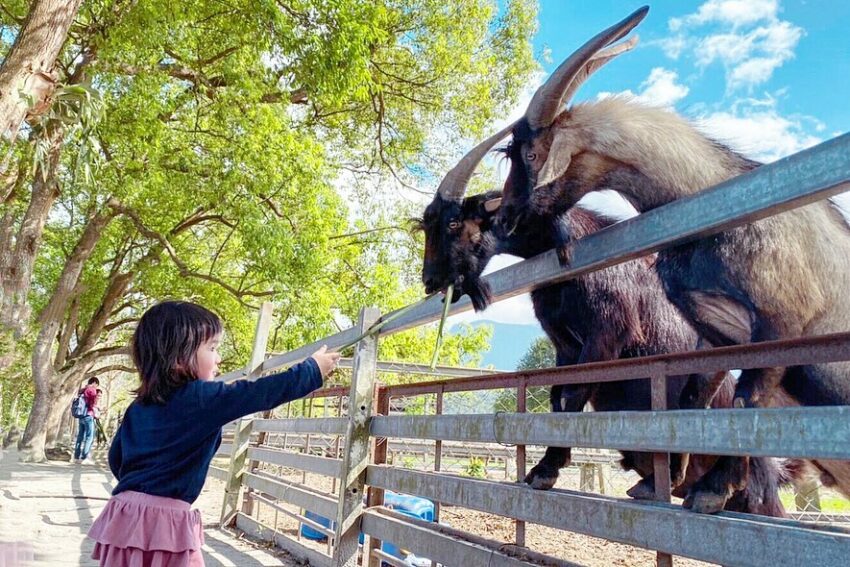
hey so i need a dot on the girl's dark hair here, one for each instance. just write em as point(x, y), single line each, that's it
point(164, 346)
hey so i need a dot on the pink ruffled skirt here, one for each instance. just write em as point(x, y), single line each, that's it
point(140, 530)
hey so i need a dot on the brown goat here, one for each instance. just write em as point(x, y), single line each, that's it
point(782, 277)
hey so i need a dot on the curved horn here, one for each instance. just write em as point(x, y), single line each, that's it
point(453, 185)
point(594, 65)
point(547, 101)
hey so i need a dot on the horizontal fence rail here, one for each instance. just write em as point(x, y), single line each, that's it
point(727, 539)
point(321, 504)
point(445, 545)
point(310, 463)
point(323, 426)
point(788, 352)
point(811, 433)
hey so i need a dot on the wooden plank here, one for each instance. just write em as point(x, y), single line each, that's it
point(804, 432)
point(322, 425)
point(302, 496)
point(298, 550)
point(355, 454)
point(725, 538)
point(300, 461)
point(303, 519)
point(445, 545)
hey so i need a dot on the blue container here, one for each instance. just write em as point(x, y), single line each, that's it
point(412, 506)
point(310, 533)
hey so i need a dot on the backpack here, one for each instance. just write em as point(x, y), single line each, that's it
point(79, 408)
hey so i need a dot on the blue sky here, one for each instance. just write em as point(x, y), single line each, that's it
point(768, 77)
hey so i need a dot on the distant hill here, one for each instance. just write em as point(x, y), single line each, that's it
point(508, 344)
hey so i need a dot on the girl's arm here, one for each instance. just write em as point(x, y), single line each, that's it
point(226, 402)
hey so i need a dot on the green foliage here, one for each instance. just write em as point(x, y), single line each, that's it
point(541, 354)
point(230, 130)
point(475, 468)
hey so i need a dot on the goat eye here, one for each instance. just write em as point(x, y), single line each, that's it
point(454, 225)
point(531, 156)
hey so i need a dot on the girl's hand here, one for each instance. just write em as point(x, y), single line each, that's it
point(327, 361)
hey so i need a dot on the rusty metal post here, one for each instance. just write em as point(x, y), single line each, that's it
point(438, 456)
point(661, 461)
point(355, 456)
point(521, 403)
point(233, 497)
point(376, 495)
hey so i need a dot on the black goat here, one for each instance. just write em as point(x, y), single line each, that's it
point(619, 312)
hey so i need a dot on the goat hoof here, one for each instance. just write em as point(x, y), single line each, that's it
point(642, 491)
point(705, 502)
point(739, 403)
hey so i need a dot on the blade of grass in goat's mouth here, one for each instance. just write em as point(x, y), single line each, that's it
point(447, 304)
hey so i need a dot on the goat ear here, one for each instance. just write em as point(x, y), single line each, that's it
point(492, 204)
point(558, 160)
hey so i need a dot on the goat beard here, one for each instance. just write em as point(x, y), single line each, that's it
point(479, 293)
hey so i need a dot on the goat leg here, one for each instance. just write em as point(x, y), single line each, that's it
point(544, 474)
point(710, 493)
point(756, 386)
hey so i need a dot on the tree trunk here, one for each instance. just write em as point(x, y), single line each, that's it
point(31, 445)
point(18, 266)
point(13, 410)
point(27, 72)
point(58, 409)
point(43, 373)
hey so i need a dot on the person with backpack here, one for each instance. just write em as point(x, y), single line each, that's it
point(83, 409)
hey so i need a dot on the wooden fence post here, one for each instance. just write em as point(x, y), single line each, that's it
point(355, 456)
point(242, 434)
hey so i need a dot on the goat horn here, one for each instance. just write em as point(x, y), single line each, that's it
point(594, 64)
point(547, 101)
point(453, 185)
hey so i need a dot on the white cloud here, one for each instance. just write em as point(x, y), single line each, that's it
point(755, 128)
point(661, 88)
point(746, 37)
point(734, 12)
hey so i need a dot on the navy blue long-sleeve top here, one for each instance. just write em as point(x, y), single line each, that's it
point(166, 450)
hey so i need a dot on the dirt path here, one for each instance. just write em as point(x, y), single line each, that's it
point(46, 510)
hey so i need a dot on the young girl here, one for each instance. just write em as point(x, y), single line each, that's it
point(163, 448)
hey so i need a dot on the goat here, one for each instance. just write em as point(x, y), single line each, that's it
point(782, 277)
point(619, 312)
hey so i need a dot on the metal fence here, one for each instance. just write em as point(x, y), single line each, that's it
point(328, 450)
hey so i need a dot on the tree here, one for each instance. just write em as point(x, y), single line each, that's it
point(541, 354)
point(214, 162)
point(27, 77)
